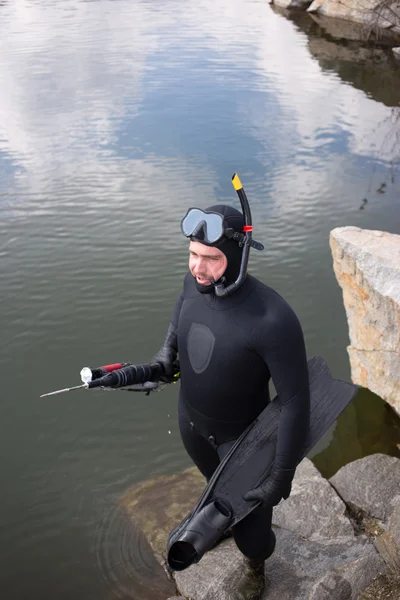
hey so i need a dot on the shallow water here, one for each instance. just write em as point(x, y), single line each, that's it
point(114, 118)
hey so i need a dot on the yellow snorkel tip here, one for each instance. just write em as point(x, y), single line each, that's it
point(237, 184)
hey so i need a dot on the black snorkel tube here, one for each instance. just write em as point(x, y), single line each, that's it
point(244, 239)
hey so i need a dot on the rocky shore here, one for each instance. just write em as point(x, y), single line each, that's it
point(369, 20)
point(337, 539)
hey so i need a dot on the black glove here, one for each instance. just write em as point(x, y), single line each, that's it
point(271, 491)
point(167, 354)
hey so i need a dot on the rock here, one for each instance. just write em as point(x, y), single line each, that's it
point(389, 550)
point(367, 267)
point(396, 52)
point(322, 511)
point(388, 543)
point(351, 30)
point(370, 483)
point(299, 570)
point(349, 581)
point(394, 520)
point(292, 3)
point(317, 555)
point(373, 13)
point(156, 506)
point(341, 29)
point(330, 586)
point(383, 587)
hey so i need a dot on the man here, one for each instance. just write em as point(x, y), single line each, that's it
point(229, 347)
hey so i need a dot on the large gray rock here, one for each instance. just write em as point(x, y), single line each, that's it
point(299, 569)
point(371, 485)
point(367, 267)
point(322, 511)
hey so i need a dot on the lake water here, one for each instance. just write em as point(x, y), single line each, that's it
point(115, 117)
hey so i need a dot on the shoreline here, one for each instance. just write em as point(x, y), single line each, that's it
point(351, 21)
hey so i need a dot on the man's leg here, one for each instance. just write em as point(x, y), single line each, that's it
point(256, 540)
point(254, 536)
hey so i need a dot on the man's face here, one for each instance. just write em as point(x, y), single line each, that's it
point(206, 263)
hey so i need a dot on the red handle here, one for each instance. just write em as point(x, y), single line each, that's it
point(113, 367)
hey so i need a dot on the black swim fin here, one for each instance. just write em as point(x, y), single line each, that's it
point(221, 505)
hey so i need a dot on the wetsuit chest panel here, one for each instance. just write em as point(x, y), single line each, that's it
point(200, 345)
point(221, 376)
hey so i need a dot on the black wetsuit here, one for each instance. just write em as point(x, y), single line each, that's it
point(229, 348)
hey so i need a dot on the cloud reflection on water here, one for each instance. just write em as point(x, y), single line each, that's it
point(83, 84)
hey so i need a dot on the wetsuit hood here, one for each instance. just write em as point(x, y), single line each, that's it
point(232, 219)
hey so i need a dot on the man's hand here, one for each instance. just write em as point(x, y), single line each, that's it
point(271, 491)
point(167, 354)
point(166, 358)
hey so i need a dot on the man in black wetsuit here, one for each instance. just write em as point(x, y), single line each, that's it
point(229, 348)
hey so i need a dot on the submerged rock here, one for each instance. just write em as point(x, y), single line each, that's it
point(157, 505)
point(367, 267)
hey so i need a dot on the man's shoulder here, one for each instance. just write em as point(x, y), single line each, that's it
point(264, 293)
point(270, 318)
point(267, 301)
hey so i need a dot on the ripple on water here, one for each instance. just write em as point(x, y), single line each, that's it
point(126, 561)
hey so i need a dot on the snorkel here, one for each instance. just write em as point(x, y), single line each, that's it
point(244, 239)
point(209, 228)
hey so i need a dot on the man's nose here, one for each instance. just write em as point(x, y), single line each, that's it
point(199, 266)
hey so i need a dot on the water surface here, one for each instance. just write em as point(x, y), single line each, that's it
point(114, 118)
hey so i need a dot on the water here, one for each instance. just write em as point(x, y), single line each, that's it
point(114, 118)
